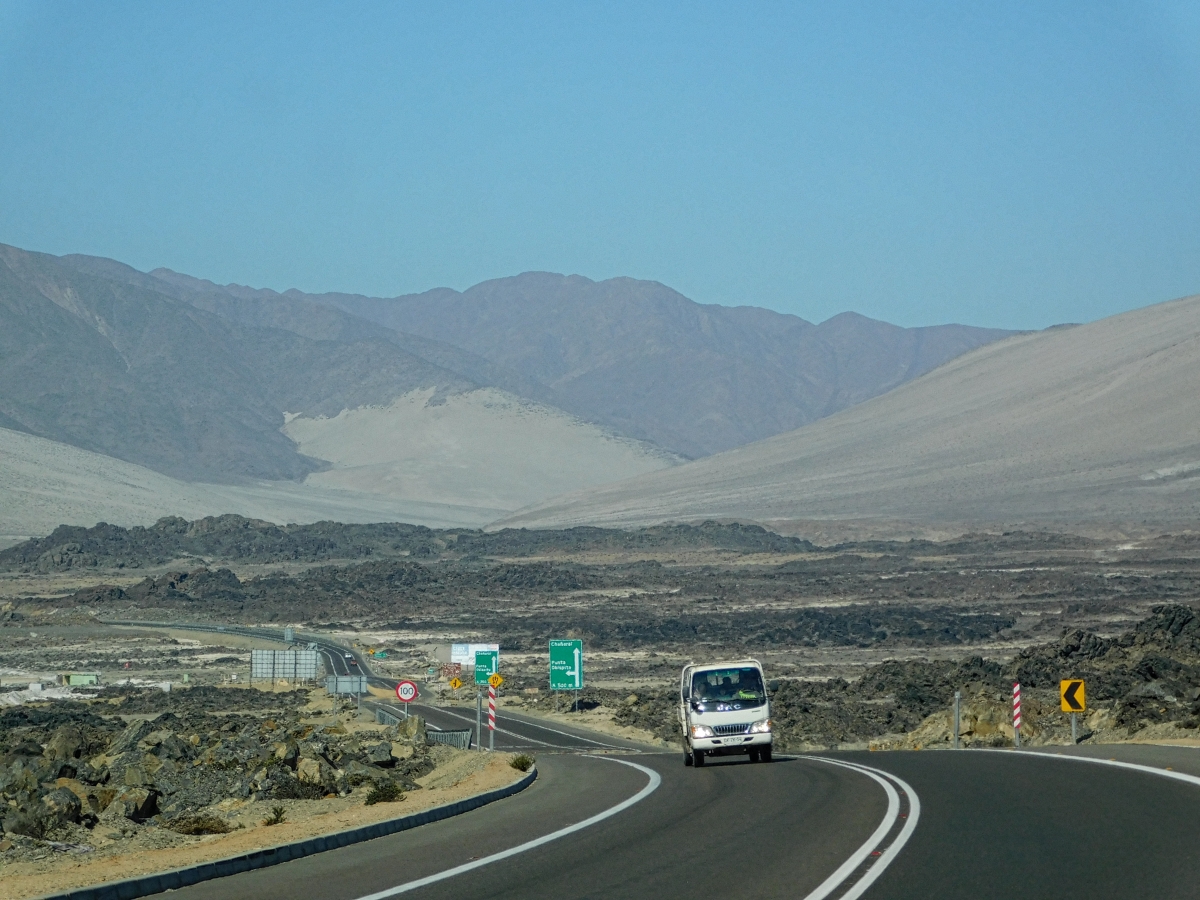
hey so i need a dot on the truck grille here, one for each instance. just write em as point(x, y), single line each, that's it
point(726, 730)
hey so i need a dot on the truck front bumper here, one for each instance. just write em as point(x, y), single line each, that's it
point(736, 743)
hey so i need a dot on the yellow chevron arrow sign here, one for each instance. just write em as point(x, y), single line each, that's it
point(1073, 695)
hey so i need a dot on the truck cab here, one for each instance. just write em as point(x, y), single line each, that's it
point(724, 711)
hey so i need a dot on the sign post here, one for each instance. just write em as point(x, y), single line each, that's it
point(486, 664)
point(566, 667)
point(1072, 694)
point(406, 693)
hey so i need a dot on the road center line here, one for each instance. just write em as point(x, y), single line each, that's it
point(856, 859)
point(651, 786)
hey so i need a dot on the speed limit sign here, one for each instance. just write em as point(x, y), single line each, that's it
point(406, 692)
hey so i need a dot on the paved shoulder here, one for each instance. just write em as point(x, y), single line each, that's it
point(997, 824)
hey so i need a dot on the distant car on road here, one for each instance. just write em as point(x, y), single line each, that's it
point(353, 661)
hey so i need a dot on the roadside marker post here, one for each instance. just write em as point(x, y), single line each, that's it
point(1017, 714)
point(957, 701)
point(487, 663)
point(1072, 695)
point(492, 716)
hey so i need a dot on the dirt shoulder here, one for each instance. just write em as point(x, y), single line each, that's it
point(458, 775)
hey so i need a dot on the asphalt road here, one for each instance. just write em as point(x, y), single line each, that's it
point(990, 825)
point(1059, 822)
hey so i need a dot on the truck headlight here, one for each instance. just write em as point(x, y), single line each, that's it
point(763, 727)
point(701, 731)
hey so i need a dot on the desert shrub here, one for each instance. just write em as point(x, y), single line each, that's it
point(522, 762)
point(277, 817)
point(384, 792)
point(203, 823)
point(295, 789)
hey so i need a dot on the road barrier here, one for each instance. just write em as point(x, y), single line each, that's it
point(385, 718)
point(460, 739)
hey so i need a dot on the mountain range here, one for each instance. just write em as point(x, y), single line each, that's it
point(1098, 423)
point(487, 400)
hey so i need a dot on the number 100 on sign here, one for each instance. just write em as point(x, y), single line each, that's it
point(566, 665)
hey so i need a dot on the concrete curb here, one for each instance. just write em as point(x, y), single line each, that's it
point(271, 856)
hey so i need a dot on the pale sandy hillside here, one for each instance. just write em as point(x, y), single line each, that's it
point(44, 484)
point(458, 461)
point(484, 449)
point(1096, 422)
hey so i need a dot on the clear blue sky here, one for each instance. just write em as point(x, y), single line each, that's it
point(1012, 165)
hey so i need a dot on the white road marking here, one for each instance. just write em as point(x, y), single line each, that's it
point(856, 859)
point(523, 737)
point(650, 788)
point(1137, 767)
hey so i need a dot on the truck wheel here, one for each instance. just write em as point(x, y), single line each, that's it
point(754, 757)
point(697, 758)
point(765, 753)
point(687, 756)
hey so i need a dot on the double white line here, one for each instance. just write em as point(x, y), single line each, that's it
point(859, 863)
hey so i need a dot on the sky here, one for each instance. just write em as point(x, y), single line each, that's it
point(1011, 165)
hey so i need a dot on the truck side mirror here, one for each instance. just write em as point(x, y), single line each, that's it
point(773, 686)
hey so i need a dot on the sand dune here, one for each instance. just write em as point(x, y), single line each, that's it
point(460, 461)
point(485, 448)
point(44, 484)
point(1096, 422)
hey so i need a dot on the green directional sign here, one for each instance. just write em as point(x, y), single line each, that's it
point(566, 665)
point(487, 663)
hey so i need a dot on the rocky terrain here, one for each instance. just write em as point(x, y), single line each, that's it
point(1141, 684)
point(134, 767)
point(867, 640)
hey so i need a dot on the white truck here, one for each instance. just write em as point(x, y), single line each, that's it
point(724, 710)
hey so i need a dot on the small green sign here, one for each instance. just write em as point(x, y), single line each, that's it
point(487, 662)
point(566, 665)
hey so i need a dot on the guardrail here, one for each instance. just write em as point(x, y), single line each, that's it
point(459, 739)
point(385, 718)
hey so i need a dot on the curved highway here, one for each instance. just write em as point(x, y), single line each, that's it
point(1091, 822)
point(991, 824)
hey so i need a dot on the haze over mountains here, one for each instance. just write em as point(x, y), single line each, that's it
point(1092, 424)
point(486, 400)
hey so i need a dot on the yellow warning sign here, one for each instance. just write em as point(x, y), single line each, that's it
point(1073, 695)
point(455, 683)
point(495, 681)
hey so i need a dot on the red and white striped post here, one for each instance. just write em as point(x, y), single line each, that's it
point(491, 718)
point(1017, 713)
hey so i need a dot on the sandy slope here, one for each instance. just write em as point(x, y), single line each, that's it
point(44, 483)
point(460, 462)
point(485, 449)
point(1096, 422)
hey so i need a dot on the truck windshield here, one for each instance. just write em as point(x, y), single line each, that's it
point(717, 689)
